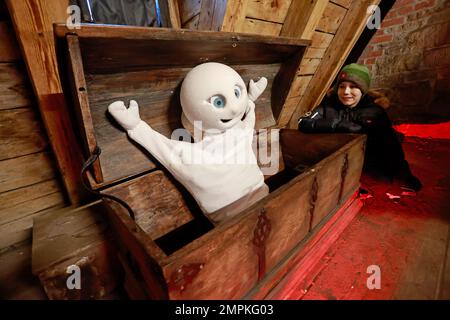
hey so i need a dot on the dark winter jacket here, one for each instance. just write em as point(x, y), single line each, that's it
point(383, 150)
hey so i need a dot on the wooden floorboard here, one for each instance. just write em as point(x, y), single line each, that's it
point(16, 280)
point(408, 240)
point(444, 288)
point(424, 275)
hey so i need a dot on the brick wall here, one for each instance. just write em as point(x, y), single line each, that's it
point(409, 57)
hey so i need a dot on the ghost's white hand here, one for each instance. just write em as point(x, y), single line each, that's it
point(255, 89)
point(128, 118)
point(163, 149)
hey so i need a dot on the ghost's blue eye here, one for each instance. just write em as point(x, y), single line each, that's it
point(218, 101)
point(237, 91)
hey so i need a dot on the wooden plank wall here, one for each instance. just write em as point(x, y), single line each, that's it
point(28, 175)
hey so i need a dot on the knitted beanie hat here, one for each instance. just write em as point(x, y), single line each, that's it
point(356, 73)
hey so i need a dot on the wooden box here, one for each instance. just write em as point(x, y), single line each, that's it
point(170, 250)
point(75, 237)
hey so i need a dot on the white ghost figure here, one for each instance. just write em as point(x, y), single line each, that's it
point(221, 170)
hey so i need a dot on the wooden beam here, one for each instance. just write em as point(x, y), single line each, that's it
point(346, 36)
point(33, 20)
point(302, 18)
point(174, 14)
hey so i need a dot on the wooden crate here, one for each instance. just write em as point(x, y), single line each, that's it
point(170, 250)
point(75, 237)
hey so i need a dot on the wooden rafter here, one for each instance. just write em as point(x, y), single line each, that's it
point(33, 22)
point(174, 14)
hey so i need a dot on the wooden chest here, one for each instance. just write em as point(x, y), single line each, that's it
point(169, 249)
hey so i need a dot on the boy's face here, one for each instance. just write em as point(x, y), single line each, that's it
point(349, 94)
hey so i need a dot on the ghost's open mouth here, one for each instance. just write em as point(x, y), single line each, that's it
point(228, 120)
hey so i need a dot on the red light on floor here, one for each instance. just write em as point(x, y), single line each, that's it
point(433, 131)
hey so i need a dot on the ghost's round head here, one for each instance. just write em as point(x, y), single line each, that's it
point(214, 94)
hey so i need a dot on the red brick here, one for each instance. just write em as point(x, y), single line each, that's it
point(379, 32)
point(402, 3)
point(424, 4)
point(367, 51)
point(392, 22)
point(370, 61)
point(391, 14)
point(406, 10)
point(383, 38)
point(421, 5)
point(374, 54)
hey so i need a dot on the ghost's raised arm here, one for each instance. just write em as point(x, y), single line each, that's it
point(255, 89)
point(163, 149)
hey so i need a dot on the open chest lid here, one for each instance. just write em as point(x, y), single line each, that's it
point(101, 64)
